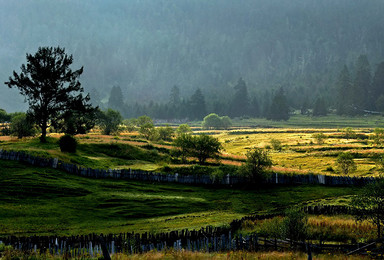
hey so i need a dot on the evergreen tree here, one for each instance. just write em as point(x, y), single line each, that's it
point(266, 103)
point(50, 87)
point(362, 96)
point(344, 93)
point(378, 82)
point(304, 107)
point(173, 110)
point(319, 108)
point(279, 109)
point(197, 108)
point(255, 108)
point(115, 100)
point(95, 98)
point(174, 99)
point(240, 101)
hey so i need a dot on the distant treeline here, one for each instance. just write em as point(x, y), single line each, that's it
point(354, 93)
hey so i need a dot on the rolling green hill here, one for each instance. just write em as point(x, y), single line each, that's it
point(46, 201)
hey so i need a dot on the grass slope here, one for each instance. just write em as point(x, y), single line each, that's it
point(98, 152)
point(46, 201)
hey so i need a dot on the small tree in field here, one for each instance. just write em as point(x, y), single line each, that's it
point(146, 127)
point(183, 129)
point(346, 163)
point(184, 143)
point(369, 205)
point(276, 145)
point(165, 133)
point(50, 87)
point(110, 121)
point(202, 147)
point(257, 162)
point(320, 137)
point(213, 121)
point(378, 136)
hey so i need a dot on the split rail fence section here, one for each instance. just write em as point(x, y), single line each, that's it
point(204, 240)
point(275, 178)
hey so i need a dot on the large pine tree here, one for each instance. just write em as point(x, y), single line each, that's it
point(279, 109)
point(116, 99)
point(50, 87)
point(197, 108)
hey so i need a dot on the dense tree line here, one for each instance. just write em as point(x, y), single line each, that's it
point(197, 106)
point(360, 91)
point(352, 93)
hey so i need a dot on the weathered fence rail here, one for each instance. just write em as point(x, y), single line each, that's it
point(275, 178)
point(204, 240)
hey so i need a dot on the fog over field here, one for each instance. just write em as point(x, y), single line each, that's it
point(148, 46)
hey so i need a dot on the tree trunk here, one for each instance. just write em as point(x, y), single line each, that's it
point(43, 132)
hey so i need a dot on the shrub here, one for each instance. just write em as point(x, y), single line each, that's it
point(257, 162)
point(68, 144)
point(22, 126)
point(349, 133)
point(272, 228)
point(213, 121)
point(345, 163)
point(320, 137)
point(165, 133)
point(276, 144)
point(110, 121)
point(201, 147)
point(295, 225)
point(183, 129)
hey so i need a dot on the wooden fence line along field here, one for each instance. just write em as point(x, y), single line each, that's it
point(204, 240)
point(275, 178)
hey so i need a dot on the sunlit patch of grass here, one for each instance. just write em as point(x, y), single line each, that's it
point(337, 228)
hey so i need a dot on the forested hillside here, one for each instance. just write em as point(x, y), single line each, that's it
point(147, 47)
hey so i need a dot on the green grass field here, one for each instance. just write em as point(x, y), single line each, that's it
point(46, 201)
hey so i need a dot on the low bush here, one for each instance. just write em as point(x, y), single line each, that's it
point(68, 144)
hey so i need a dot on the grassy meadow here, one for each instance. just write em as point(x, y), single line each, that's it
point(300, 151)
point(47, 201)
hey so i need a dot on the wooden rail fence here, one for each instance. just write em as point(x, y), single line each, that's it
point(229, 180)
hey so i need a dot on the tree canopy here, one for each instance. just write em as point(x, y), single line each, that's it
point(257, 162)
point(50, 87)
point(201, 146)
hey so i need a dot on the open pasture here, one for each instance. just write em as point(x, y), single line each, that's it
point(46, 201)
point(299, 150)
point(292, 149)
